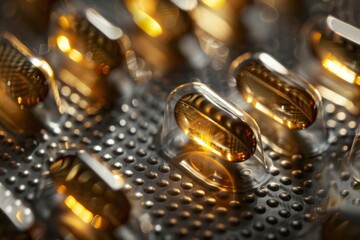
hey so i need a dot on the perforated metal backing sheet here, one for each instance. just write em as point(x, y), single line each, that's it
point(182, 207)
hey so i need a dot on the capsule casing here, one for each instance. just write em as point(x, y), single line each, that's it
point(88, 53)
point(29, 96)
point(85, 199)
point(330, 59)
point(216, 142)
point(287, 109)
point(161, 26)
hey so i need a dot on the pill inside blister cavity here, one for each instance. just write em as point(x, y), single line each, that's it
point(94, 196)
point(87, 200)
point(337, 46)
point(213, 129)
point(212, 139)
point(330, 58)
point(161, 28)
point(217, 26)
point(29, 96)
point(285, 103)
point(88, 51)
point(287, 109)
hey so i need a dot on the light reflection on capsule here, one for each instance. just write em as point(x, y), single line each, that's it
point(340, 70)
point(216, 4)
point(213, 129)
point(336, 45)
point(93, 197)
point(281, 101)
point(30, 97)
point(142, 11)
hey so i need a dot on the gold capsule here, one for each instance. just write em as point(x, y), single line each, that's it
point(27, 89)
point(336, 44)
point(268, 92)
point(213, 129)
point(218, 21)
point(162, 24)
point(87, 50)
point(89, 38)
point(213, 140)
point(20, 79)
point(96, 198)
point(287, 108)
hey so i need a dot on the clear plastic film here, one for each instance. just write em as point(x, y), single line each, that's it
point(287, 109)
point(216, 142)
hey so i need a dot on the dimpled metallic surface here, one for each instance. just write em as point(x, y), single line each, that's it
point(292, 204)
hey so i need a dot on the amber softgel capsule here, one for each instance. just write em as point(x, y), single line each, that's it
point(216, 142)
point(92, 54)
point(204, 123)
point(330, 60)
point(287, 109)
point(87, 200)
point(29, 97)
point(160, 28)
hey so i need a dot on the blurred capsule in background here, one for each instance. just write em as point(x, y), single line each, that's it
point(218, 28)
point(216, 142)
point(84, 199)
point(89, 54)
point(29, 97)
point(287, 109)
point(330, 59)
point(160, 28)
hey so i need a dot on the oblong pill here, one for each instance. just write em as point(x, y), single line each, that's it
point(214, 129)
point(88, 38)
point(20, 78)
point(336, 44)
point(93, 196)
point(29, 99)
point(268, 92)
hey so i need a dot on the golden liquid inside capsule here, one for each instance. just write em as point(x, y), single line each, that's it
point(286, 104)
point(213, 129)
point(88, 196)
point(338, 52)
point(85, 43)
point(162, 24)
point(23, 85)
point(19, 78)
